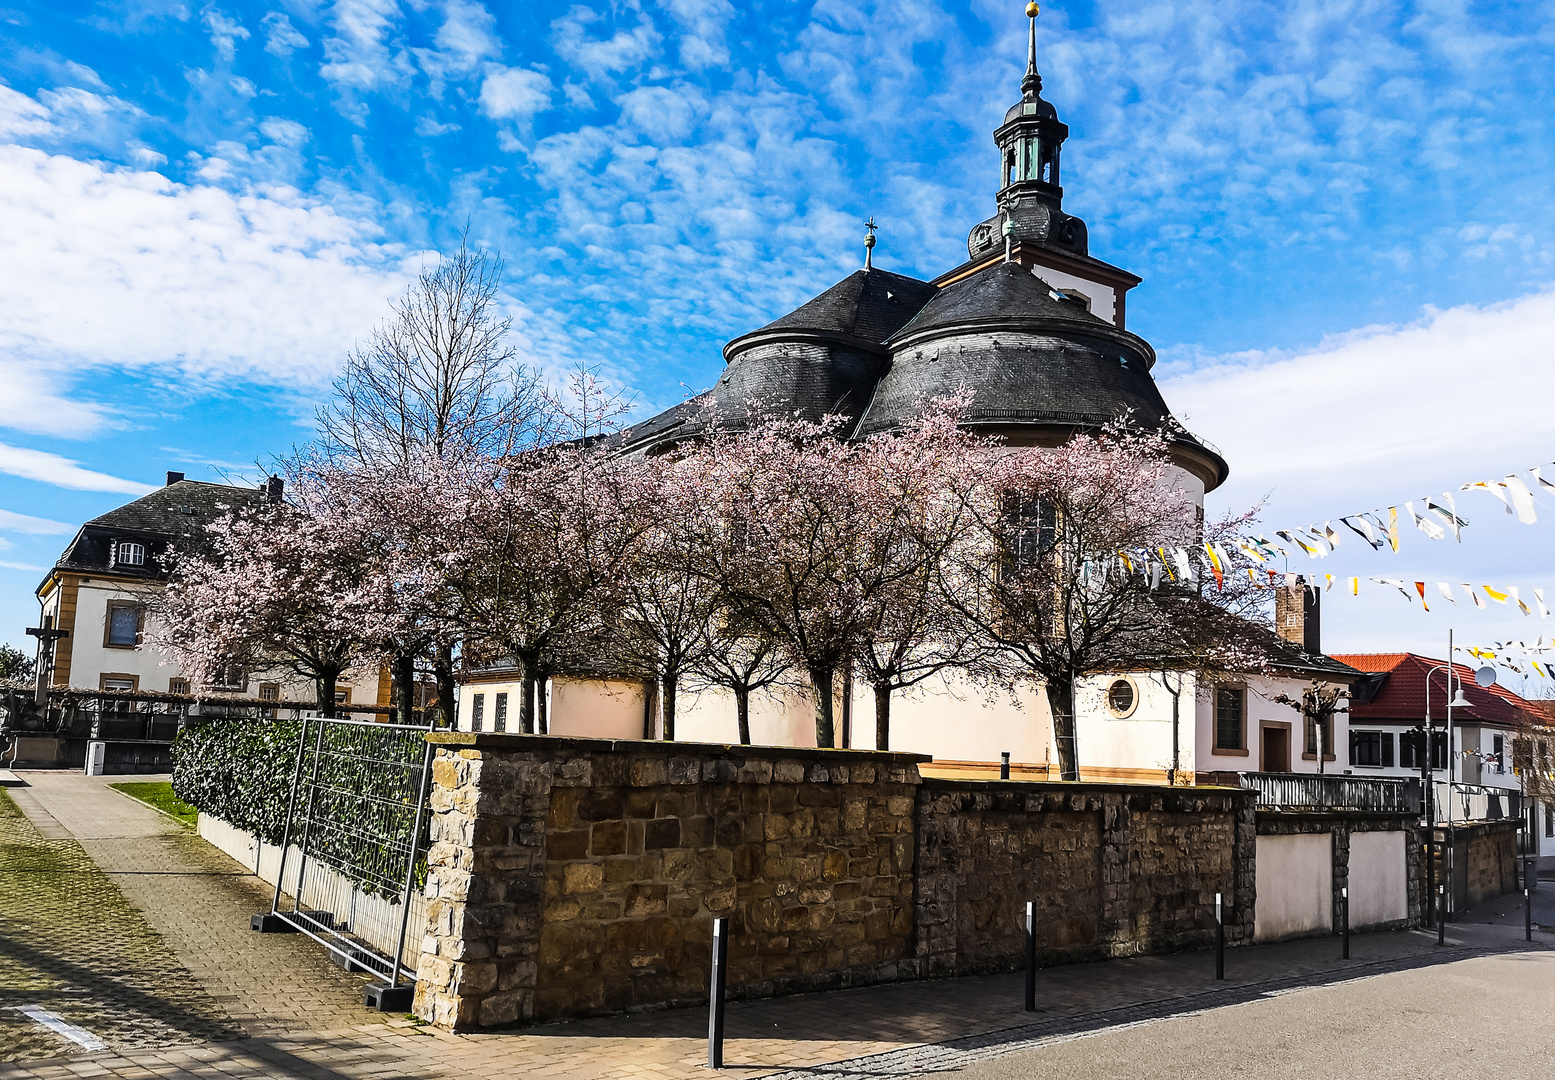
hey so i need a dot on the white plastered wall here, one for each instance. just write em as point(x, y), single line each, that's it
point(1102, 297)
point(1295, 876)
point(592, 708)
point(1378, 882)
point(1142, 739)
point(1259, 706)
point(91, 658)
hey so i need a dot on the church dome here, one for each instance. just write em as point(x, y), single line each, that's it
point(1040, 367)
point(823, 358)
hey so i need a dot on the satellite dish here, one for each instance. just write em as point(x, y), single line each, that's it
point(1485, 676)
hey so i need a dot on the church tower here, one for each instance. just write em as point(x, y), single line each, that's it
point(1031, 226)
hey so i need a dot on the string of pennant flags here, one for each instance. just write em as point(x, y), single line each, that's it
point(1181, 564)
point(1438, 515)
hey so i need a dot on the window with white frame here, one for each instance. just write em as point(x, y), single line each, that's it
point(129, 553)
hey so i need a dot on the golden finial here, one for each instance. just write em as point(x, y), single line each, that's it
point(1031, 11)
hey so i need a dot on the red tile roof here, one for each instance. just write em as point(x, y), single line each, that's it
point(1402, 696)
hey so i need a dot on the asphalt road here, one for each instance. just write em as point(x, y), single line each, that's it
point(1483, 1017)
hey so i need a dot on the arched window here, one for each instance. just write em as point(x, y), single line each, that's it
point(129, 553)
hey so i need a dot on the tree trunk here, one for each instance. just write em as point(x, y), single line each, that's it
point(670, 684)
point(821, 679)
point(1060, 701)
point(324, 689)
point(447, 697)
point(742, 709)
point(526, 704)
point(403, 676)
point(882, 714)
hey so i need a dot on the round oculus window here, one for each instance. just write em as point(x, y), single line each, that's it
point(1121, 698)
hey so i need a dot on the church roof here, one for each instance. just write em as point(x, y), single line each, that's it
point(870, 304)
point(1006, 295)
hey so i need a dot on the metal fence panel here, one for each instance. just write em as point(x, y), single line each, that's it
point(352, 859)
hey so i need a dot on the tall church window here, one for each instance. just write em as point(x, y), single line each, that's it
point(1029, 529)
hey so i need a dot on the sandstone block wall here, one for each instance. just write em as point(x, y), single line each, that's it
point(578, 876)
point(1483, 858)
point(1114, 870)
point(570, 877)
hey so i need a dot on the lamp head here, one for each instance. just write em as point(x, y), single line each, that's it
point(1459, 701)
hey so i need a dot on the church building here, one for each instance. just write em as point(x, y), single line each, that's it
point(1035, 327)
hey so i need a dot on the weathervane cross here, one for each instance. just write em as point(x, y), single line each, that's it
point(869, 242)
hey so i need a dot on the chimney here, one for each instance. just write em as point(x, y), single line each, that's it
point(273, 489)
point(1297, 616)
point(173, 477)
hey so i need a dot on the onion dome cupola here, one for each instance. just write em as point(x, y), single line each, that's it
point(1030, 200)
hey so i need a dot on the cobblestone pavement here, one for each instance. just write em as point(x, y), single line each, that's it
point(71, 944)
point(275, 986)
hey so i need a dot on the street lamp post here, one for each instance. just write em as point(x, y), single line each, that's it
point(1427, 773)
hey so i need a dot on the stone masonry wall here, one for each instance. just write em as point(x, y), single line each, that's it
point(578, 876)
point(1488, 851)
point(1114, 870)
point(571, 877)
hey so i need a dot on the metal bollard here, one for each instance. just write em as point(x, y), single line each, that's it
point(1031, 955)
point(1344, 918)
point(1004, 765)
point(1527, 914)
point(1441, 915)
point(1220, 939)
point(715, 994)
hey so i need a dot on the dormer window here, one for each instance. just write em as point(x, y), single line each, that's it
point(128, 553)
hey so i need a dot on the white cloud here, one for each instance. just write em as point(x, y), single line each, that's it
point(362, 54)
point(22, 566)
point(627, 48)
point(514, 93)
point(225, 32)
point(21, 116)
point(278, 129)
point(703, 24)
point(428, 127)
point(62, 472)
point(1384, 410)
point(282, 38)
point(26, 523)
point(124, 269)
point(35, 397)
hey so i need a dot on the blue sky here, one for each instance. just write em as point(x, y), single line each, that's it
point(1340, 210)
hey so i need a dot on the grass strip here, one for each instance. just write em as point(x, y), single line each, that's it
point(159, 794)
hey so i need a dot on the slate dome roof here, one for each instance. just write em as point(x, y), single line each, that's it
point(823, 358)
point(1039, 366)
point(867, 304)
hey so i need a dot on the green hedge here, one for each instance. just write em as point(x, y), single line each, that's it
point(241, 772)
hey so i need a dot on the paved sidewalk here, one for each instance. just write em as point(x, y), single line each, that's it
point(902, 1029)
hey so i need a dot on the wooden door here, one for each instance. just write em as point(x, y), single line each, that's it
point(1276, 749)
